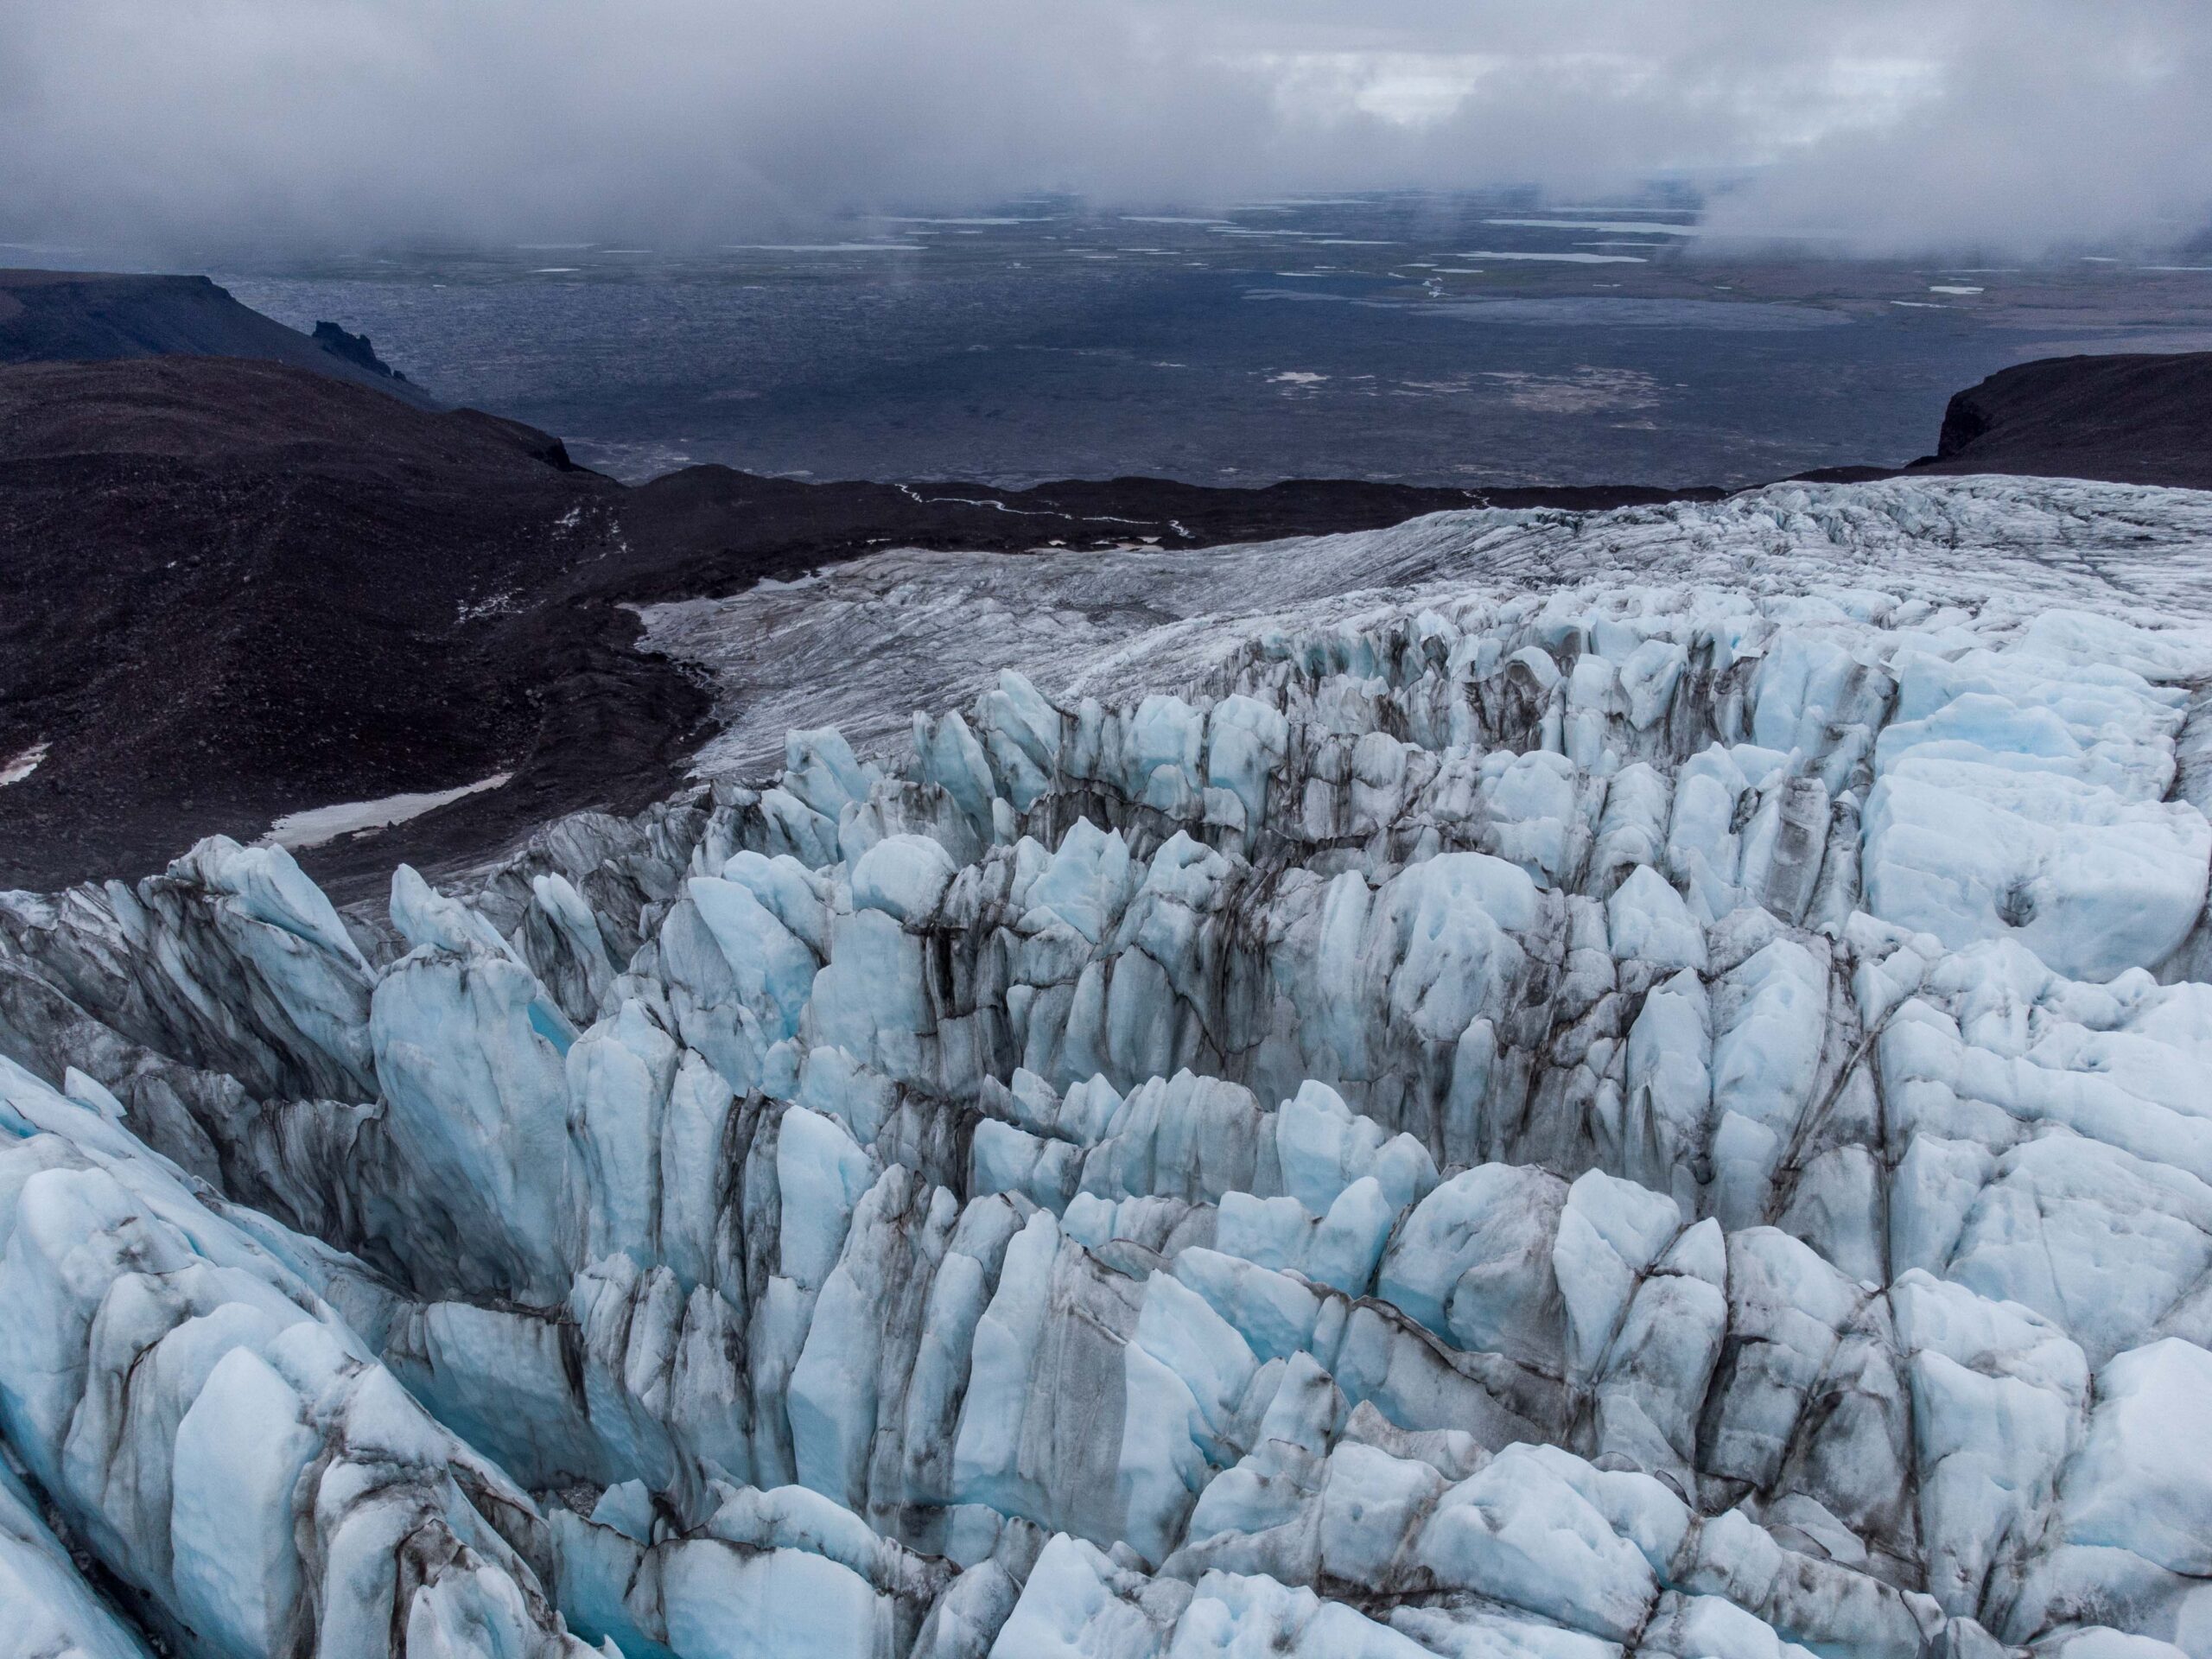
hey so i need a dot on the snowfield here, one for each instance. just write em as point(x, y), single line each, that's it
point(1527, 1086)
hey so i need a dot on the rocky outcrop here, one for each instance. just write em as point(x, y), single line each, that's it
point(352, 348)
point(2135, 418)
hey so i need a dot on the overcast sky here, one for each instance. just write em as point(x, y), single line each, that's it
point(1888, 125)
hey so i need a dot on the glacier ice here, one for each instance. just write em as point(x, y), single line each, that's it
point(1533, 1084)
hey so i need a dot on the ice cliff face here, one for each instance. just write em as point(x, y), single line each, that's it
point(1525, 1114)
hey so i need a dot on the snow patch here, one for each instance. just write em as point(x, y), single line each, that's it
point(1557, 259)
point(24, 764)
point(300, 831)
point(1615, 226)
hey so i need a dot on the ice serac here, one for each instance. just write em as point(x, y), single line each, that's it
point(1527, 1111)
point(217, 1435)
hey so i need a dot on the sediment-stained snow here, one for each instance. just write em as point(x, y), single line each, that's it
point(1530, 1084)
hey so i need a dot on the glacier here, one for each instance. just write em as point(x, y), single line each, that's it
point(1532, 1085)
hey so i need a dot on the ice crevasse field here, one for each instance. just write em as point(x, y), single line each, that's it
point(1527, 1086)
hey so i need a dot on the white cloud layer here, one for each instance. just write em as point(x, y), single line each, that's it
point(1889, 124)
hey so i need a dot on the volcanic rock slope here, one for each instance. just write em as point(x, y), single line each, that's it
point(56, 316)
point(2143, 419)
point(1637, 1089)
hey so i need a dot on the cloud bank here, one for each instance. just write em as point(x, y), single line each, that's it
point(1880, 125)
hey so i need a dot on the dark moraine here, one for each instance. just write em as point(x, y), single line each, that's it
point(230, 590)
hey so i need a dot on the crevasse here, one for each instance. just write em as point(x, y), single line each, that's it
point(1600, 1119)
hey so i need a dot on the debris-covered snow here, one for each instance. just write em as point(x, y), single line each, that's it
point(1527, 1085)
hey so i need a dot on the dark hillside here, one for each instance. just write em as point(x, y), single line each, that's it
point(2127, 419)
point(57, 316)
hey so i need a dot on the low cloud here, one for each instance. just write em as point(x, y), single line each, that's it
point(2017, 125)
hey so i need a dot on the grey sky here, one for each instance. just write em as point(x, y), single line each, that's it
point(1886, 125)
